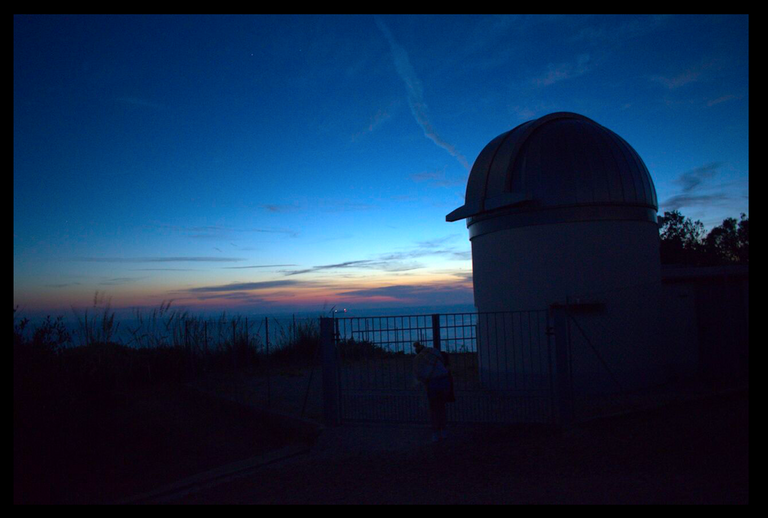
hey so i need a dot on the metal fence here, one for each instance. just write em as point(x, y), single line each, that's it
point(502, 364)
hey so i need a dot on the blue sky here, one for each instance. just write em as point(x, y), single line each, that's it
point(276, 163)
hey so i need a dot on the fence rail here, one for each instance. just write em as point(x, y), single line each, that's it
point(525, 366)
point(501, 365)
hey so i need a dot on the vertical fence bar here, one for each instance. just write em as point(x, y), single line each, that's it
point(205, 335)
point(234, 343)
point(436, 332)
point(269, 363)
point(550, 331)
point(563, 385)
point(330, 374)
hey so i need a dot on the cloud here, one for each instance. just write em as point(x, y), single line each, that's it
point(690, 75)
point(606, 31)
point(62, 285)
point(697, 189)
point(419, 293)
point(437, 242)
point(397, 261)
point(343, 206)
point(562, 71)
point(415, 96)
point(242, 286)
point(437, 178)
point(380, 117)
point(164, 270)
point(349, 264)
point(392, 261)
point(693, 200)
point(222, 232)
point(531, 110)
point(119, 281)
point(255, 266)
point(176, 259)
point(722, 99)
point(237, 296)
point(280, 208)
point(432, 247)
point(693, 179)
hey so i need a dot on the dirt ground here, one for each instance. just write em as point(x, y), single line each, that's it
point(686, 453)
point(155, 437)
point(681, 452)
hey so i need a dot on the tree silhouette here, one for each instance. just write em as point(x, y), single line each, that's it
point(682, 240)
point(729, 242)
point(685, 242)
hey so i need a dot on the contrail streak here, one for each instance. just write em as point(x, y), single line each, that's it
point(416, 95)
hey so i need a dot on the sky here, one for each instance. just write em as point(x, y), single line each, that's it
point(300, 163)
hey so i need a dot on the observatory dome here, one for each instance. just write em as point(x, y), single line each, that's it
point(561, 161)
point(561, 213)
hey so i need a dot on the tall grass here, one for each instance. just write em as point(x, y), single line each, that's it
point(298, 343)
point(170, 344)
point(67, 381)
point(166, 342)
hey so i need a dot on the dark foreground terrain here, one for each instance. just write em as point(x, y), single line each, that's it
point(692, 453)
point(689, 453)
point(154, 436)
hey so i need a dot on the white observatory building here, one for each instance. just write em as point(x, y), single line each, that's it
point(562, 210)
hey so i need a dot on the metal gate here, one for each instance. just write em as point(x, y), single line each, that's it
point(502, 365)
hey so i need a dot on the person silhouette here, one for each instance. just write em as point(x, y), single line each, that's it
point(430, 370)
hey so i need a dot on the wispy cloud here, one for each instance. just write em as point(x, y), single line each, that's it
point(696, 178)
point(557, 72)
point(365, 263)
point(242, 286)
point(415, 96)
point(120, 281)
point(692, 74)
point(280, 208)
point(238, 296)
point(698, 190)
point(432, 247)
point(381, 116)
point(164, 270)
point(604, 31)
point(419, 293)
point(438, 242)
point(223, 232)
point(173, 259)
point(530, 110)
point(397, 261)
point(62, 285)
point(722, 99)
point(256, 266)
point(437, 178)
point(696, 200)
point(343, 206)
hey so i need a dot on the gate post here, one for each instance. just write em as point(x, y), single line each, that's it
point(563, 382)
point(436, 332)
point(331, 415)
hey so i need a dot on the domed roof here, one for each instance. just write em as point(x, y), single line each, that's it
point(559, 160)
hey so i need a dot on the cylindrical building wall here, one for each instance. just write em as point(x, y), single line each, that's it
point(532, 267)
point(606, 271)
